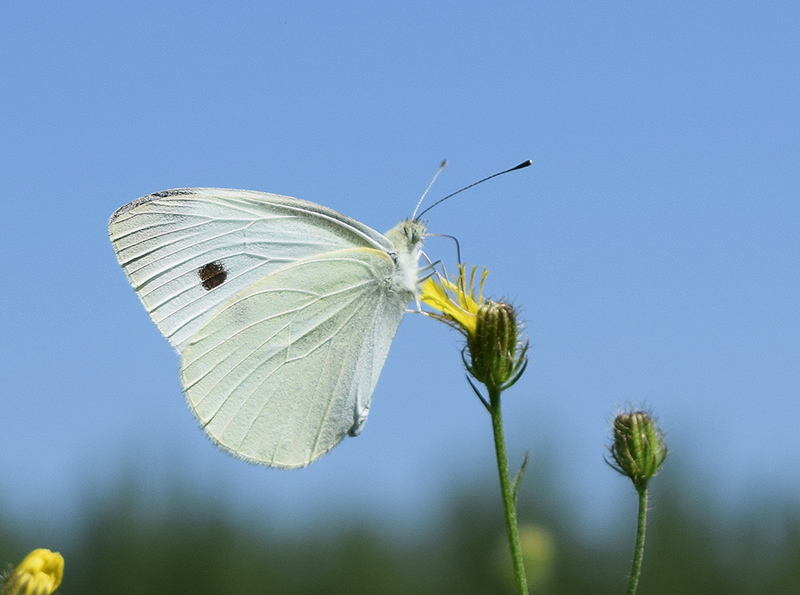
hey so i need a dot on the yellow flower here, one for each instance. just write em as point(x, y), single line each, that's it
point(496, 355)
point(38, 574)
point(456, 299)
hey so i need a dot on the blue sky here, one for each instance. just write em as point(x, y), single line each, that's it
point(652, 247)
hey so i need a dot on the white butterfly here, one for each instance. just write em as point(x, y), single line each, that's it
point(283, 311)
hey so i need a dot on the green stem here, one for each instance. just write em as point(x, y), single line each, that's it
point(509, 505)
point(640, 530)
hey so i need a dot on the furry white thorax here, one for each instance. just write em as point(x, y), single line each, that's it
point(407, 238)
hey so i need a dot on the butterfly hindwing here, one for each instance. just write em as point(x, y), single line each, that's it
point(287, 367)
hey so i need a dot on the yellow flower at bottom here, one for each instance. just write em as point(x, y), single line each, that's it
point(39, 573)
point(456, 299)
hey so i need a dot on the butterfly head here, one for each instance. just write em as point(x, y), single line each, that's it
point(408, 236)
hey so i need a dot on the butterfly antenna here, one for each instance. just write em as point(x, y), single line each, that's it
point(436, 175)
point(500, 173)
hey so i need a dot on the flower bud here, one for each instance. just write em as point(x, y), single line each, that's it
point(38, 574)
point(639, 447)
point(497, 358)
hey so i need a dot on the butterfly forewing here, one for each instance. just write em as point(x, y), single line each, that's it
point(188, 251)
point(287, 367)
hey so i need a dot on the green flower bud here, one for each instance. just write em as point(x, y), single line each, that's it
point(496, 354)
point(639, 447)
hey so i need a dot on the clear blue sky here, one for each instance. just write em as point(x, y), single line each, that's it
point(653, 247)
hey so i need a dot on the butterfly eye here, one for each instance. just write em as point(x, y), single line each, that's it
point(212, 275)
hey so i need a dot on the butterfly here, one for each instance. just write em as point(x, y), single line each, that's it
point(282, 311)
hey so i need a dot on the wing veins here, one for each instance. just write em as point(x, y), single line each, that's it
point(258, 387)
point(340, 370)
point(293, 313)
point(371, 325)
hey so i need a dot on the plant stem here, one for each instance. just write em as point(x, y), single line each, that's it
point(640, 530)
point(509, 505)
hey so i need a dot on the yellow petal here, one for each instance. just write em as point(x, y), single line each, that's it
point(456, 299)
point(39, 573)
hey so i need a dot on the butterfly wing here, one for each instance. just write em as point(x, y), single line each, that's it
point(188, 251)
point(287, 367)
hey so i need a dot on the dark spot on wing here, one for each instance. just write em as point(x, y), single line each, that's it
point(174, 192)
point(212, 275)
point(150, 197)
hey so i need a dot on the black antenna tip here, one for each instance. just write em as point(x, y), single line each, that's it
point(441, 200)
point(443, 164)
point(521, 165)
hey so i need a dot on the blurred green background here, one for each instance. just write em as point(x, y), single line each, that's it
point(137, 542)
